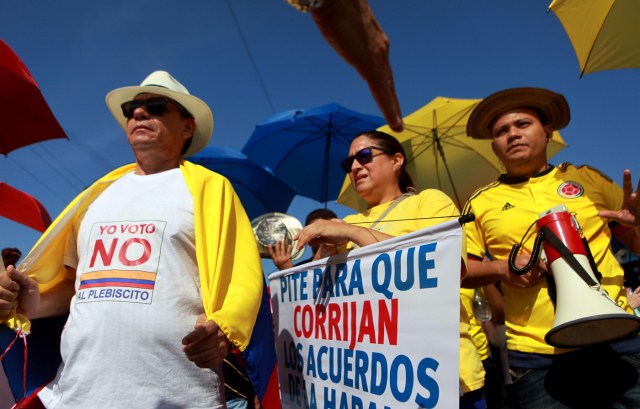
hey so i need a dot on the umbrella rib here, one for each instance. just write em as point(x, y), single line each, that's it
point(446, 167)
point(436, 145)
point(323, 130)
point(438, 135)
point(337, 128)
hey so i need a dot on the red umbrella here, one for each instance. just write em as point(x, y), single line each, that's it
point(25, 117)
point(23, 208)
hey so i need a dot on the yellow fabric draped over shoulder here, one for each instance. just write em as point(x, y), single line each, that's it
point(226, 252)
point(227, 255)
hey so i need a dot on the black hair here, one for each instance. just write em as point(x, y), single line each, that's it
point(320, 214)
point(392, 146)
point(187, 145)
point(184, 112)
point(541, 117)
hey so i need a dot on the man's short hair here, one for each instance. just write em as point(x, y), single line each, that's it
point(319, 214)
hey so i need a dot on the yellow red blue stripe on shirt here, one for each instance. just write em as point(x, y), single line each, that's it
point(118, 278)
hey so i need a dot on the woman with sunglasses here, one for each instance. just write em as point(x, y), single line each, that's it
point(376, 166)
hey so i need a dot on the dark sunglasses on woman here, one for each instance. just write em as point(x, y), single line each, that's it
point(155, 106)
point(363, 156)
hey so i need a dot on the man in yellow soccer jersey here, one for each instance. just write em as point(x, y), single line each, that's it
point(519, 122)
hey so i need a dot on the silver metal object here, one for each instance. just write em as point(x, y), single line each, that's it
point(273, 227)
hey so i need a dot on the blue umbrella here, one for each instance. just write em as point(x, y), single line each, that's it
point(305, 147)
point(259, 190)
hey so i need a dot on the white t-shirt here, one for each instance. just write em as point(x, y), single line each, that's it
point(137, 296)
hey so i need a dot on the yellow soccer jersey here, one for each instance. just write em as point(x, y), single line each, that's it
point(475, 328)
point(416, 212)
point(504, 211)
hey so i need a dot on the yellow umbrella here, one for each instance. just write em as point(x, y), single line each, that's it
point(440, 155)
point(605, 34)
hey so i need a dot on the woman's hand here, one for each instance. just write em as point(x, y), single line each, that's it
point(332, 232)
point(325, 250)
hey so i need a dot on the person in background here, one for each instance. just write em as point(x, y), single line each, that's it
point(156, 264)
point(634, 299)
point(631, 264)
point(376, 166)
point(350, 27)
point(281, 256)
point(519, 122)
point(632, 284)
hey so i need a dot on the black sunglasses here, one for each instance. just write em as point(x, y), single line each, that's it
point(363, 156)
point(155, 106)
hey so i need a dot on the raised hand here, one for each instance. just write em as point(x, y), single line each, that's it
point(629, 214)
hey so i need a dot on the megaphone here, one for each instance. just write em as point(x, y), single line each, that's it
point(585, 314)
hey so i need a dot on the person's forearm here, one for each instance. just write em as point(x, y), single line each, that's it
point(344, 24)
point(496, 300)
point(363, 236)
point(54, 302)
point(352, 30)
point(480, 273)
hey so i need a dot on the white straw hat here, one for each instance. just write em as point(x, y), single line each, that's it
point(162, 83)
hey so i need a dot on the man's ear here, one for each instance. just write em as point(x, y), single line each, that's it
point(189, 128)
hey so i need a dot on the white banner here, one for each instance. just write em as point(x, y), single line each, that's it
point(378, 327)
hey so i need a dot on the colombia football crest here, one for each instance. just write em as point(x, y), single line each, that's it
point(570, 190)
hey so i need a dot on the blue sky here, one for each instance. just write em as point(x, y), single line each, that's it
point(249, 59)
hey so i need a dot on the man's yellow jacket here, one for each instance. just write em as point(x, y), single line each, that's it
point(226, 251)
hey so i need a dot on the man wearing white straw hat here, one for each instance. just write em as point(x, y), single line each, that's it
point(519, 122)
point(156, 264)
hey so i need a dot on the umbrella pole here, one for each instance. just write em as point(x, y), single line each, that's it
point(325, 166)
point(446, 167)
